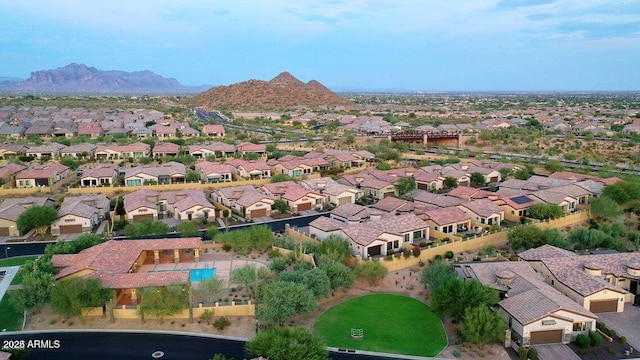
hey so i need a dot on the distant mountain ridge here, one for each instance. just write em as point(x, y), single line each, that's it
point(282, 92)
point(81, 79)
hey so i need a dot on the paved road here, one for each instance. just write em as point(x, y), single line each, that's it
point(123, 346)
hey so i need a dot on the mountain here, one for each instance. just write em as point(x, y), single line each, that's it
point(81, 79)
point(282, 92)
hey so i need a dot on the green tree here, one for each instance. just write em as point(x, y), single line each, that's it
point(584, 238)
point(477, 179)
point(37, 217)
point(450, 182)
point(554, 166)
point(372, 271)
point(162, 301)
point(249, 277)
point(405, 185)
point(280, 205)
point(212, 231)
point(282, 299)
point(279, 178)
point(481, 325)
point(208, 289)
point(70, 297)
point(436, 274)
point(313, 279)
point(37, 283)
point(146, 227)
point(522, 174)
point(287, 343)
point(188, 229)
point(333, 248)
point(192, 176)
point(605, 208)
point(455, 296)
point(383, 165)
point(545, 211)
point(340, 275)
point(531, 236)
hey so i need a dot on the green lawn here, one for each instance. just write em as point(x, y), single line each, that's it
point(14, 261)
point(10, 318)
point(391, 324)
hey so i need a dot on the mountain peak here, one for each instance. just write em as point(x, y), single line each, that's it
point(285, 79)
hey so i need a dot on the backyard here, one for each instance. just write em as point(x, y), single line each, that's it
point(390, 324)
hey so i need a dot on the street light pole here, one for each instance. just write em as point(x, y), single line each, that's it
point(6, 251)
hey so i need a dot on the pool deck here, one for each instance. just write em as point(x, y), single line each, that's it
point(223, 267)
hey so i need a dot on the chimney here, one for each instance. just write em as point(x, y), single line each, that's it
point(237, 193)
point(505, 277)
point(633, 268)
point(353, 220)
point(593, 268)
point(464, 167)
point(322, 184)
point(375, 215)
point(180, 196)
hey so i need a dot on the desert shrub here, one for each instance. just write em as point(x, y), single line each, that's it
point(457, 353)
point(207, 315)
point(221, 323)
point(600, 325)
point(533, 354)
point(438, 257)
point(406, 254)
point(274, 253)
point(522, 352)
point(612, 350)
point(612, 333)
point(596, 339)
point(226, 247)
point(416, 251)
point(623, 339)
point(583, 341)
point(448, 255)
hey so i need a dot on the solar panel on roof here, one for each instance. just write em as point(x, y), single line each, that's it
point(521, 200)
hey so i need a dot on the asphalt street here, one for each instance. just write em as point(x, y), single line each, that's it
point(124, 346)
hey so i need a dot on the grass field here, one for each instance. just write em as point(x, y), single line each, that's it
point(14, 261)
point(10, 318)
point(391, 324)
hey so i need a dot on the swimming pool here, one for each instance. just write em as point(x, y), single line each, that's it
point(196, 274)
point(201, 274)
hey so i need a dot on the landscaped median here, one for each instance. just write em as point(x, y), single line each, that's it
point(390, 324)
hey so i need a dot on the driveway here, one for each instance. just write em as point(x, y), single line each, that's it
point(625, 323)
point(556, 351)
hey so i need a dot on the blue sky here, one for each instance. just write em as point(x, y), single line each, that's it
point(443, 45)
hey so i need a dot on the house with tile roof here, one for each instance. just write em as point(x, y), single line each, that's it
point(116, 152)
point(8, 172)
point(255, 169)
point(246, 200)
point(568, 203)
point(214, 172)
point(215, 149)
point(247, 147)
point(334, 193)
point(165, 149)
point(99, 175)
point(599, 282)
point(81, 214)
point(393, 206)
point(185, 205)
point(213, 130)
point(118, 265)
point(428, 181)
point(12, 208)
point(435, 200)
point(300, 199)
point(41, 175)
point(448, 221)
point(483, 212)
point(323, 227)
point(11, 151)
point(351, 213)
point(535, 312)
point(167, 173)
point(79, 151)
point(516, 206)
point(50, 151)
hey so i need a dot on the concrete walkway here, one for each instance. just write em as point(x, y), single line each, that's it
point(10, 273)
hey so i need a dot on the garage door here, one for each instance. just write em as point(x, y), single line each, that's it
point(4, 231)
point(375, 250)
point(602, 306)
point(305, 206)
point(422, 186)
point(546, 337)
point(137, 218)
point(70, 229)
point(344, 200)
point(258, 213)
point(388, 194)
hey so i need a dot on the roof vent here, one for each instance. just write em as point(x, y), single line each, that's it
point(593, 268)
point(505, 277)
